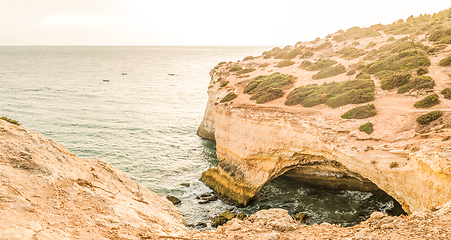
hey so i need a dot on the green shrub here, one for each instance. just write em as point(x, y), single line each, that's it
point(429, 117)
point(360, 112)
point(246, 70)
point(446, 93)
point(427, 102)
point(224, 83)
point(10, 120)
point(307, 54)
point(422, 70)
point(357, 33)
point(293, 53)
point(370, 45)
point(362, 76)
point(268, 95)
point(268, 86)
point(229, 97)
point(333, 94)
point(338, 38)
point(401, 54)
point(323, 46)
point(435, 49)
point(395, 79)
point(305, 64)
point(277, 51)
point(441, 36)
point(235, 69)
point(351, 52)
point(351, 72)
point(355, 43)
point(329, 72)
point(419, 82)
point(367, 128)
point(321, 64)
point(285, 63)
point(445, 62)
point(391, 39)
point(248, 58)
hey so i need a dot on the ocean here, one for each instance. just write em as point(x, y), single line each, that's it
point(143, 120)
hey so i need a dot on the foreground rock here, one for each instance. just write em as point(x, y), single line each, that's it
point(277, 224)
point(47, 192)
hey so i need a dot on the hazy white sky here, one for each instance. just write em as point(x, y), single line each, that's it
point(193, 22)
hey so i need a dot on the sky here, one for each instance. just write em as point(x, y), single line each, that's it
point(193, 22)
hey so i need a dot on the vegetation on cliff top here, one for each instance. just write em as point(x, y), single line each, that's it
point(367, 128)
point(446, 93)
point(427, 102)
point(321, 64)
point(265, 88)
point(10, 120)
point(351, 52)
point(229, 97)
point(360, 112)
point(445, 62)
point(333, 94)
point(429, 117)
point(330, 71)
point(419, 82)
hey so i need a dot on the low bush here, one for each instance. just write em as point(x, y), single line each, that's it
point(330, 71)
point(235, 69)
point(435, 49)
point(285, 63)
point(248, 58)
point(422, 70)
point(441, 36)
point(429, 117)
point(305, 64)
point(360, 112)
point(266, 87)
point(277, 51)
point(427, 102)
point(10, 120)
point(246, 70)
point(338, 38)
point(362, 76)
point(224, 83)
point(351, 52)
point(445, 62)
point(357, 33)
point(351, 72)
point(391, 39)
point(446, 93)
point(321, 64)
point(395, 79)
point(268, 95)
point(307, 54)
point(333, 94)
point(229, 97)
point(293, 53)
point(355, 43)
point(370, 45)
point(366, 128)
point(323, 46)
point(419, 82)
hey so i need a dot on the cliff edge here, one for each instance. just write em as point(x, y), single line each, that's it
point(363, 109)
point(46, 192)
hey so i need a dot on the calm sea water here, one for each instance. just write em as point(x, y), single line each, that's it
point(145, 122)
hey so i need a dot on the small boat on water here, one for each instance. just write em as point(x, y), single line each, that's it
point(171, 74)
point(106, 80)
point(124, 73)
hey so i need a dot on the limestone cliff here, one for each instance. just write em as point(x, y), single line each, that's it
point(46, 192)
point(258, 140)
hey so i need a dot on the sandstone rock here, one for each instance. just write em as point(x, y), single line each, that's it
point(173, 199)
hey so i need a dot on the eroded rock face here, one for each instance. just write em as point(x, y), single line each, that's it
point(46, 192)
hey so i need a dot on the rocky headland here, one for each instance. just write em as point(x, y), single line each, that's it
point(362, 109)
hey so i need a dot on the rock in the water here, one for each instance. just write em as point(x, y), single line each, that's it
point(264, 207)
point(201, 224)
point(218, 221)
point(301, 217)
point(173, 199)
point(185, 184)
point(228, 215)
